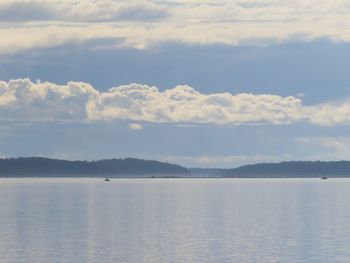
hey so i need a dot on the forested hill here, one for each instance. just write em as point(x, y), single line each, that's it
point(37, 166)
point(293, 169)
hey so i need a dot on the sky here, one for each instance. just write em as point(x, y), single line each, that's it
point(198, 83)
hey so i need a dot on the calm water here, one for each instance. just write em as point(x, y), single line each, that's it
point(174, 220)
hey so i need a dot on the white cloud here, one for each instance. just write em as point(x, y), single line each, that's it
point(184, 104)
point(135, 126)
point(24, 100)
point(143, 23)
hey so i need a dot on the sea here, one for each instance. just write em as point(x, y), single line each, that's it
point(174, 220)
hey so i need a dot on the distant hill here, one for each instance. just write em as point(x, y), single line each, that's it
point(37, 166)
point(293, 169)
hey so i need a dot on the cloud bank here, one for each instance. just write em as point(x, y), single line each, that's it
point(141, 24)
point(24, 100)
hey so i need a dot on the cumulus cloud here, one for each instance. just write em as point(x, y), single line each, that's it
point(144, 23)
point(184, 104)
point(24, 100)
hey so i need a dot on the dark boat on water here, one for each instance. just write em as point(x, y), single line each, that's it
point(324, 178)
point(107, 179)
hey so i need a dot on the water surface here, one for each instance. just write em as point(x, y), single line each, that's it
point(174, 220)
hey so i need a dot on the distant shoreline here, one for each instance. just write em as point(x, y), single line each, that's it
point(39, 167)
point(175, 177)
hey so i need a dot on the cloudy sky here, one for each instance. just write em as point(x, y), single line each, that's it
point(200, 83)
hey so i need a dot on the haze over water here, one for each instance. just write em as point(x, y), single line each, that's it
point(174, 220)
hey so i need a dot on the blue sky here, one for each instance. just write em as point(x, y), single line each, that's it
point(199, 83)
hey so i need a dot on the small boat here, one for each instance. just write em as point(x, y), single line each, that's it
point(324, 178)
point(107, 179)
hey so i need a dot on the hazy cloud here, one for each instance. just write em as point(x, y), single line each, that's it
point(135, 126)
point(24, 100)
point(19, 11)
point(144, 23)
point(221, 161)
point(80, 11)
point(327, 148)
